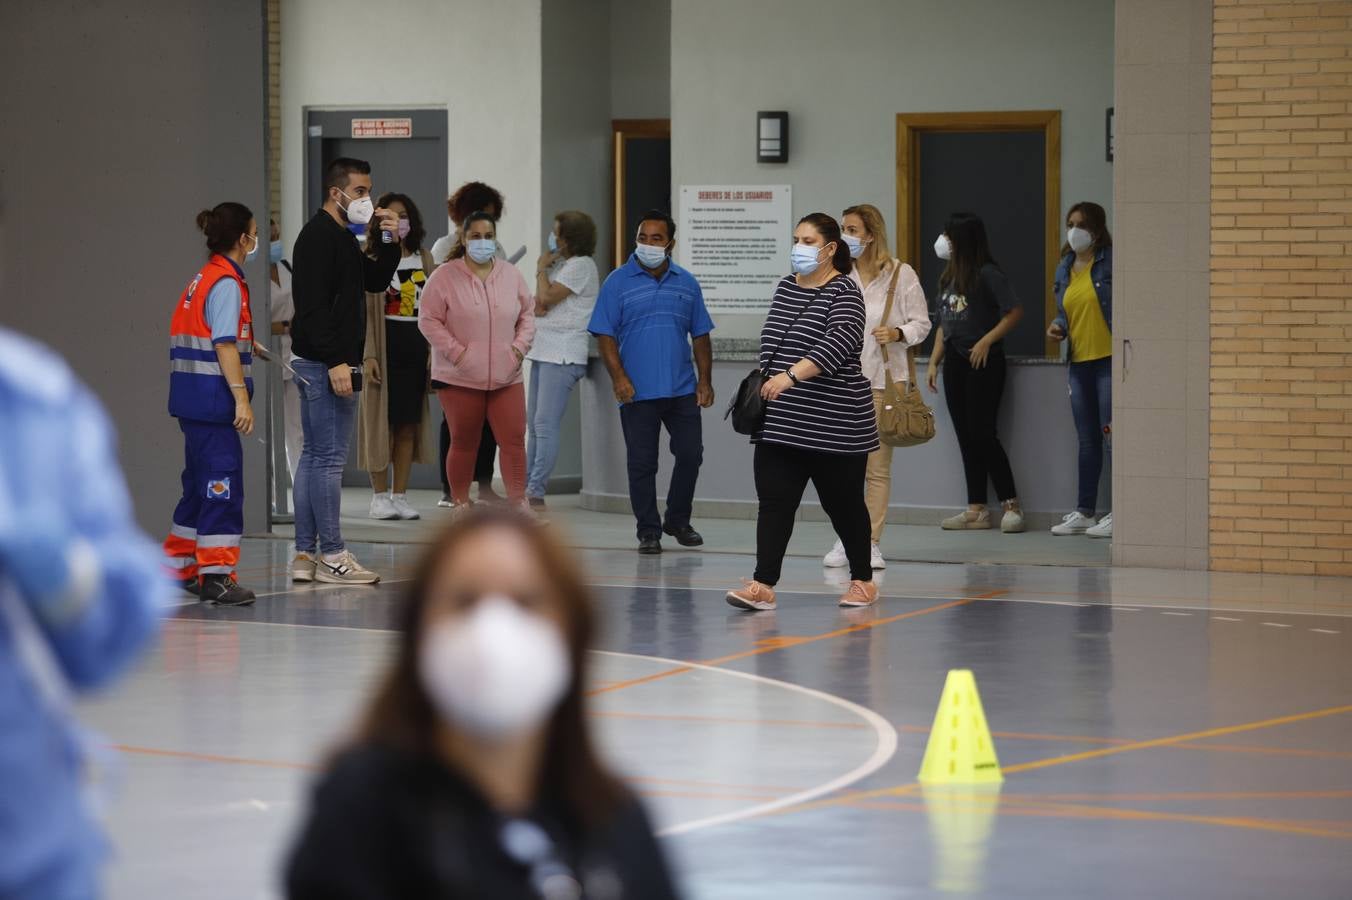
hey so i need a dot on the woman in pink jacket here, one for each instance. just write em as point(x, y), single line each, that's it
point(479, 316)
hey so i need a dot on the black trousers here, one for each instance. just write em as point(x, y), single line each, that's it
point(483, 465)
point(973, 397)
point(782, 474)
point(643, 421)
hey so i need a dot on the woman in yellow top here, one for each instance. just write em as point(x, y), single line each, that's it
point(1084, 302)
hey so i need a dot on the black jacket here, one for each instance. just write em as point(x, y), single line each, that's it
point(329, 280)
point(385, 825)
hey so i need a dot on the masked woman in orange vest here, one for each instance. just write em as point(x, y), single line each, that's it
point(210, 386)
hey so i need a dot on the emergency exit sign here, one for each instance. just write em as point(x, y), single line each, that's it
point(382, 128)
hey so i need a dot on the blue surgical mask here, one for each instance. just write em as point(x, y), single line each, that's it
point(856, 246)
point(254, 252)
point(481, 250)
point(275, 252)
point(553, 243)
point(650, 256)
point(804, 259)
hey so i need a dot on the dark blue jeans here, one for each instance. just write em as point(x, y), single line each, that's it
point(643, 421)
point(1091, 403)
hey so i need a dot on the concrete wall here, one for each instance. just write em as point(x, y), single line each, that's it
point(1161, 394)
point(844, 80)
point(104, 165)
point(640, 59)
point(1035, 426)
point(481, 62)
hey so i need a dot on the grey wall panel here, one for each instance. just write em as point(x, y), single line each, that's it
point(146, 113)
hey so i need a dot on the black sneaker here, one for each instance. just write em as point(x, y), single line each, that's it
point(192, 586)
point(650, 546)
point(222, 590)
point(685, 536)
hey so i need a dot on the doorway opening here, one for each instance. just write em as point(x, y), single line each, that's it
point(642, 176)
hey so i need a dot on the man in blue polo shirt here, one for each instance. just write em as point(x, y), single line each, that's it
point(649, 313)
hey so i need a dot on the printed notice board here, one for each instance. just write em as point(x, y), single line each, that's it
point(735, 239)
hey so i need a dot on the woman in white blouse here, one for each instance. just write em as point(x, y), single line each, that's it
point(907, 325)
point(565, 292)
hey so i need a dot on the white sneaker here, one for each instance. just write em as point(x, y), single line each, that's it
point(836, 559)
point(383, 508)
point(1104, 528)
point(303, 568)
point(344, 569)
point(876, 557)
point(445, 502)
point(1074, 523)
point(1012, 521)
point(400, 504)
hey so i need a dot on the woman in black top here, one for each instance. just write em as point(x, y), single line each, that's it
point(977, 307)
point(473, 773)
point(819, 422)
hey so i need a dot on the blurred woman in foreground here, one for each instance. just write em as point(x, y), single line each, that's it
point(473, 773)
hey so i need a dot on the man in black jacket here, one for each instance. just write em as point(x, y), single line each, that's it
point(330, 279)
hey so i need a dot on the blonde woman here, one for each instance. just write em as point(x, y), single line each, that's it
point(876, 273)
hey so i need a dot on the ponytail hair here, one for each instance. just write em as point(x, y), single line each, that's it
point(224, 225)
point(829, 230)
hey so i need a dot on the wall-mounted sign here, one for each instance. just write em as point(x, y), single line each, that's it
point(735, 239)
point(382, 128)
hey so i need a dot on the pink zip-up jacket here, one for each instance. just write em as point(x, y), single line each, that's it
point(473, 326)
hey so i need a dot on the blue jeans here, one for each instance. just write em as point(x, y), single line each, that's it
point(643, 421)
point(550, 385)
point(326, 421)
point(1091, 403)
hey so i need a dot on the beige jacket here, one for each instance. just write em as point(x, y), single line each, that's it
point(910, 313)
point(373, 415)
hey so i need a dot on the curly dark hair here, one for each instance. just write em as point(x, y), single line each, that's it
point(474, 196)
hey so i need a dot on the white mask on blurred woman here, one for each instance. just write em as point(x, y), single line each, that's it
point(497, 672)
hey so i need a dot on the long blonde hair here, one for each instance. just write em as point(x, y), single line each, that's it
point(878, 253)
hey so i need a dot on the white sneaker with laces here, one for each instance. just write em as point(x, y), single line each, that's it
point(382, 507)
point(401, 506)
point(344, 569)
point(876, 557)
point(1104, 528)
point(303, 568)
point(1074, 523)
point(836, 559)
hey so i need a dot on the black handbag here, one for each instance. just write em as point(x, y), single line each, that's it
point(747, 409)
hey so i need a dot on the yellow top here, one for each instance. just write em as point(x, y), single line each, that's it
point(1090, 338)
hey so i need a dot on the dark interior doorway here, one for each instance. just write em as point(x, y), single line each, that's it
point(1005, 167)
point(642, 167)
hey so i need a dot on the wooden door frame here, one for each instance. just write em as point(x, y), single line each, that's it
point(620, 131)
point(910, 126)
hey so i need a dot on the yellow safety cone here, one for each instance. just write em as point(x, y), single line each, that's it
point(960, 749)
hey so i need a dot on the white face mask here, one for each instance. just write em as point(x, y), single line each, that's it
point(497, 672)
point(359, 211)
point(857, 245)
point(650, 256)
point(1079, 239)
point(943, 247)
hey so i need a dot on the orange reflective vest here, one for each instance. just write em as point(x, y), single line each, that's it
point(198, 389)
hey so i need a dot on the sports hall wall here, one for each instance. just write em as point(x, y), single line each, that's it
point(119, 125)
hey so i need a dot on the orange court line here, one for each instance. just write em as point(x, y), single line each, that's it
point(725, 720)
point(798, 642)
point(214, 758)
point(1108, 741)
point(1069, 811)
point(1185, 795)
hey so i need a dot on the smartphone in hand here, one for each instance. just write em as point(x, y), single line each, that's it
point(356, 379)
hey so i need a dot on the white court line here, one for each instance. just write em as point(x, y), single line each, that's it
point(1325, 631)
point(1171, 613)
point(1226, 619)
point(884, 751)
point(1275, 624)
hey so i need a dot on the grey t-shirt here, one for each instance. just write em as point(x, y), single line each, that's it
point(967, 318)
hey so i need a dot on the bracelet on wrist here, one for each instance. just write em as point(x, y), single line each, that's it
point(792, 377)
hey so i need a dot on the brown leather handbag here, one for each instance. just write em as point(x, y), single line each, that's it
point(904, 419)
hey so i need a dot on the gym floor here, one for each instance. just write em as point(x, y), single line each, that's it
point(1163, 734)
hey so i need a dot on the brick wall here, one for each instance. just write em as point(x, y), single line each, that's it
point(1281, 277)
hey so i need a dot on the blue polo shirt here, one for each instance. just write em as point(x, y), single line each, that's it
point(653, 321)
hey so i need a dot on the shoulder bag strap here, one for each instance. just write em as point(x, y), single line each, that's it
point(787, 331)
point(887, 312)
